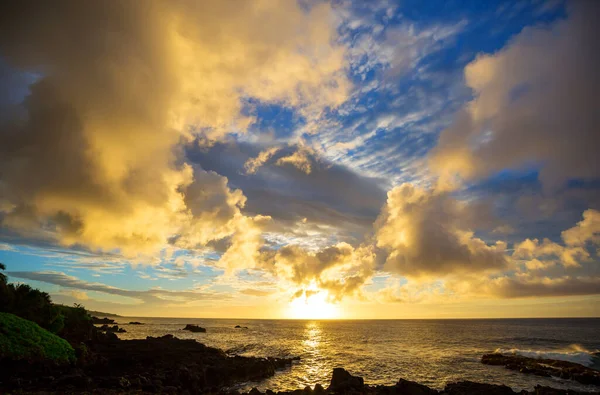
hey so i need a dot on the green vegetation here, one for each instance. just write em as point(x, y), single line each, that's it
point(29, 303)
point(71, 323)
point(21, 339)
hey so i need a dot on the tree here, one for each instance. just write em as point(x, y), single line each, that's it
point(2, 275)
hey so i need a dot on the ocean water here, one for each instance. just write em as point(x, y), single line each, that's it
point(431, 352)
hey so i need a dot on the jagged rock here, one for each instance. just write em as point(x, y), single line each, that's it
point(412, 388)
point(135, 323)
point(319, 389)
point(342, 381)
point(471, 388)
point(114, 328)
point(194, 328)
point(100, 321)
point(544, 367)
point(541, 390)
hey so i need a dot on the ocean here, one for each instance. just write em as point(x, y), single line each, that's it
point(431, 352)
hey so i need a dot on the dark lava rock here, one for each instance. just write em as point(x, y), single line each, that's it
point(412, 388)
point(240, 327)
point(154, 365)
point(342, 381)
point(541, 390)
point(194, 328)
point(544, 367)
point(100, 321)
point(469, 387)
point(135, 323)
point(114, 328)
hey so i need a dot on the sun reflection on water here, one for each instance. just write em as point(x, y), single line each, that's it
point(314, 346)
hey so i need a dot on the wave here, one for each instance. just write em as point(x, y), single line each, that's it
point(573, 353)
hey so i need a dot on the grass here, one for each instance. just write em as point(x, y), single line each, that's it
point(21, 339)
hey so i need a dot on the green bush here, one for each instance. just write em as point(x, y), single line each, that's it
point(29, 303)
point(25, 340)
point(77, 324)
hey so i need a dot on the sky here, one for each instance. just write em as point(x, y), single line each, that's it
point(310, 159)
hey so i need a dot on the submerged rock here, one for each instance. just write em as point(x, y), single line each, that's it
point(544, 367)
point(194, 328)
point(135, 323)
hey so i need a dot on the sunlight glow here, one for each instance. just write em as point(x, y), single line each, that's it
point(314, 306)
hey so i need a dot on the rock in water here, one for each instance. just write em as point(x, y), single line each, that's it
point(342, 381)
point(194, 328)
point(544, 367)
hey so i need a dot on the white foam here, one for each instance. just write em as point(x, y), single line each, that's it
point(573, 353)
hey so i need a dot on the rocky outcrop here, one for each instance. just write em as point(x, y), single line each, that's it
point(102, 321)
point(544, 367)
point(342, 381)
point(240, 327)
point(194, 328)
point(114, 329)
point(154, 365)
point(168, 365)
point(135, 323)
point(469, 387)
point(410, 387)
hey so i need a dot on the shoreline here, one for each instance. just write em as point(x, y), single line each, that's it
point(170, 365)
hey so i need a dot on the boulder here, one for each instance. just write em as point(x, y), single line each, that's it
point(343, 381)
point(413, 388)
point(472, 388)
point(194, 328)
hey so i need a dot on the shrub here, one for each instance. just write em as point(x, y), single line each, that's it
point(29, 303)
point(78, 326)
point(21, 339)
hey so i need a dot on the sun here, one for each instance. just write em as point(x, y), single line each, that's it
point(313, 306)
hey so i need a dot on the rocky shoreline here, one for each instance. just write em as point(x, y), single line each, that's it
point(169, 365)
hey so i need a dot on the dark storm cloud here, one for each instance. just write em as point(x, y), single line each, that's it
point(330, 194)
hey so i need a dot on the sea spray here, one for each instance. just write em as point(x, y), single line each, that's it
point(574, 353)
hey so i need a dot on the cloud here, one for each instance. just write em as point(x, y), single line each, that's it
point(424, 233)
point(520, 114)
point(95, 154)
point(78, 295)
point(576, 240)
point(156, 295)
point(337, 203)
point(340, 269)
point(301, 159)
point(256, 292)
point(528, 286)
point(253, 164)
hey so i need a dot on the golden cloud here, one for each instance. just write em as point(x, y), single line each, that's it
point(94, 157)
